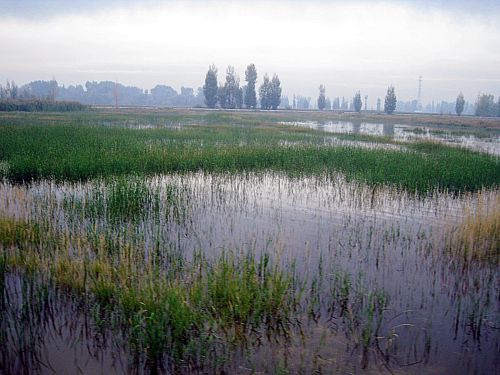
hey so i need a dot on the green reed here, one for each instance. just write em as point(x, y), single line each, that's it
point(74, 152)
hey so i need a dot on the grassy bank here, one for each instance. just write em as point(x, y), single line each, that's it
point(40, 105)
point(162, 116)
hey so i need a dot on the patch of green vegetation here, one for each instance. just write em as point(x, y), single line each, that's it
point(79, 151)
point(182, 315)
point(126, 199)
point(123, 198)
point(190, 318)
point(164, 313)
point(40, 105)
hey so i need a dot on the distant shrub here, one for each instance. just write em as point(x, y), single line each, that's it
point(39, 105)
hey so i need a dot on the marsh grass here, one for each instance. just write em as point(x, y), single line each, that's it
point(478, 236)
point(124, 198)
point(190, 313)
point(96, 221)
point(181, 311)
point(169, 314)
point(78, 153)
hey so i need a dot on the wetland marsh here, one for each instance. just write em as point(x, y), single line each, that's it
point(242, 243)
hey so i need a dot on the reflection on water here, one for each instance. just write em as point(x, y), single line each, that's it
point(359, 243)
point(54, 336)
point(489, 141)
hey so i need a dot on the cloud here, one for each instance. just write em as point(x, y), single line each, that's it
point(347, 46)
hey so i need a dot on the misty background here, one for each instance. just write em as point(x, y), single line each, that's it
point(159, 51)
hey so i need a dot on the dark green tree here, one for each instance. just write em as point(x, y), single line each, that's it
point(275, 94)
point(390, 101)
point(239, 98)
point(321, 97)
point(229, 95)
point(265, 93)
point(357, 103)
point(250, 94)
point(222, 97)
point(459, 105)
point(210, 89)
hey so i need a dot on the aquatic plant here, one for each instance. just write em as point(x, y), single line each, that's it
point(78, 153)
point(477, 238)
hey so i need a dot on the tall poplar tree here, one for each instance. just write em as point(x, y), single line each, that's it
point(357, 103)
point(210, 89)
point(275, 93)
point(390, 101)
point(321, 98)
point(229, 94)
point(264, 93)
point(251, 79)
point(459, 105)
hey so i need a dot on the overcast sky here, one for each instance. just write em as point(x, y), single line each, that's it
point(348, 46)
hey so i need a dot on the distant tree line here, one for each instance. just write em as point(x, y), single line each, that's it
point(301, 102)
point(486, 106)
point(41, 90)
point(438, 107)
point(104, 93)
point(230, 95)
point(35, 97)
point(10, 91)
point(355, 105)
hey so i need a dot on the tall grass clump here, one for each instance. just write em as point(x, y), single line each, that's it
point(478, 235)
point(249, 292)
point(123, 199)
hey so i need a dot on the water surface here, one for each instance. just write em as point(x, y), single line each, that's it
point(476, 139)
point(441, 316)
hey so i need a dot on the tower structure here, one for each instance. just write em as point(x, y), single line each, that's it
point(419, 98)
point(116, 94)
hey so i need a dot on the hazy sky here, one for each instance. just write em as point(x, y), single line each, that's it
point(348, 46)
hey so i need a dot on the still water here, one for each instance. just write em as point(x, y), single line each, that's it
point(483, 140)
point(442, 316)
